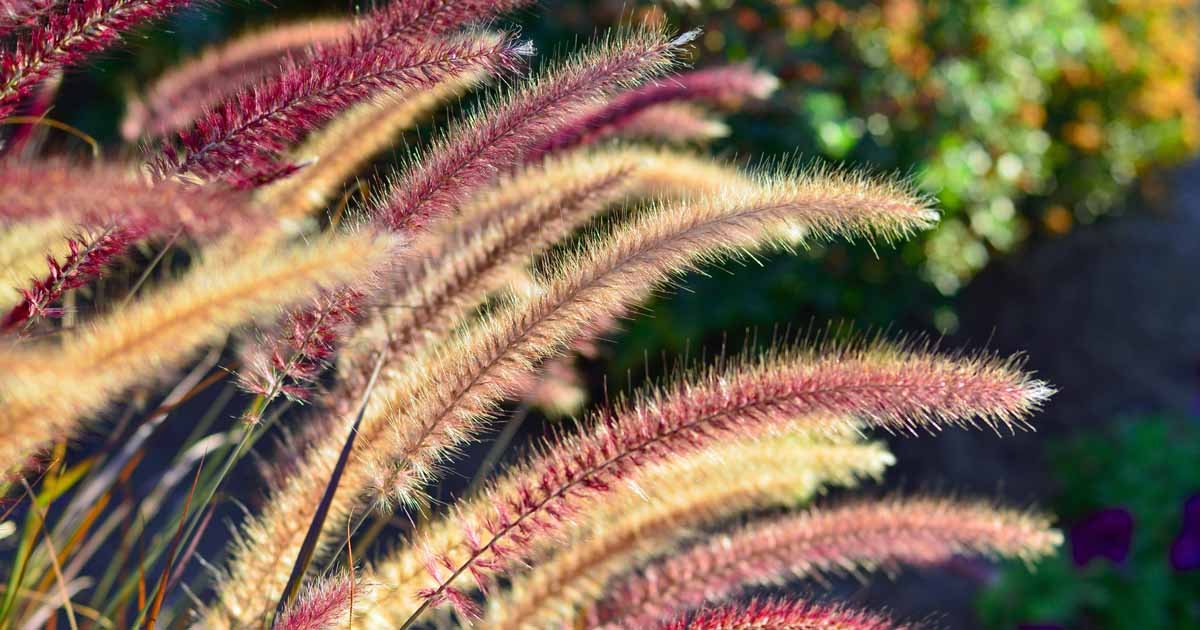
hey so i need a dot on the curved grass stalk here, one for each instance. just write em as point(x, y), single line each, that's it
point(880, 385)
point(80, 28)
point(458, 264)
point(87, 256)
point(673, 122)
point(497, 138)
point(723, 85)
point(604, 278)
point(40, 189)
point(243, 140)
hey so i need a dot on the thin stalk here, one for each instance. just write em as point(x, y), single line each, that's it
point(164, 581)
point(62, 585)
point(304, 558)
point(150, 268)
point(498, 447)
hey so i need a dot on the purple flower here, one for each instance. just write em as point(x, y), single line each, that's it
point(1106, 533)
point(1185, 551)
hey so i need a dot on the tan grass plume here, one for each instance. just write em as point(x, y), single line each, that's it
point(64, 384)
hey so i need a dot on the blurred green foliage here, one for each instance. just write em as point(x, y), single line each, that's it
point(1146, 466)
point(1018, 115)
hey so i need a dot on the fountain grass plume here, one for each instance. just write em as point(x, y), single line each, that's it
point(879, 384)
point(69, 381)
point(424, 410)
point(496, 138)
point(67, 34)
point(87, 257)
point(779, 614)
point(22, 14)
point(649, 511)
point(324, 605)
point(671, 122)
point(411, 315)
point(601, 279)
point(175, 100)
point(857, 535)
point(55, 188)
point(243, 139)
point(725, 86)
point(341, 148)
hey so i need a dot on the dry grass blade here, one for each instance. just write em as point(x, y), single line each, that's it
point(318, 522)
point(160, 590)
point(62, 584)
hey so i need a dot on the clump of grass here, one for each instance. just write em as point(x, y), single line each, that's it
point(409, 317)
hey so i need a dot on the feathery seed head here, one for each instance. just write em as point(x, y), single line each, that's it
point(176, 99)
point(861, 535)
point(725, 86)
point(609, 513)
point(412, 22)
point(55, 188)
point(424, 411)
point(243, 138)
point(24, 247)
point(21, 14)
point(672, 122)
point(88, 257)
point(69, 382)
point(663, 504)
point(600, 281)
point(321, 606)
point(342, 147)
point(879, 385)
point(288, 360)
point(498, 138)
point(65, 34)
point(781, 615)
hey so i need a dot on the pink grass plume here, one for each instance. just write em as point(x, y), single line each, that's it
point(781, 615)
point(414, 21)
point(326, 604)
point(290, 360)
point(243, 139)
point(68, 34)
point(499, 138)
point(86, 261)
point(175, 100)
point(723, 86)
point(97, 195)
point(22, 14)
point(884, 386)
point(863, 535)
